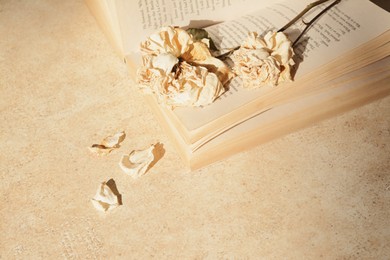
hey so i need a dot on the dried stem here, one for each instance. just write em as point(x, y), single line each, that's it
point(222, 56)
point(308, 24)
point(304, 11)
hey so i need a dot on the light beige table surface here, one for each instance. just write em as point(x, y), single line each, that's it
point(320, 192)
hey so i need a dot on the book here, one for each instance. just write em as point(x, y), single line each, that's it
point(342, 62)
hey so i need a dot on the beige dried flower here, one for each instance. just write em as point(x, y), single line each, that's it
point(179, 70)
point(264, 61)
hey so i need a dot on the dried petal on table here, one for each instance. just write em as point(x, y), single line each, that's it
point(107, 196)
point(137, 162)
point(108, 144)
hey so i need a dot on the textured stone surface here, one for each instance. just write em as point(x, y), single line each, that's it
point(320, 192)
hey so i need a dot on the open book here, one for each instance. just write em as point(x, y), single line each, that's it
point(341, 62)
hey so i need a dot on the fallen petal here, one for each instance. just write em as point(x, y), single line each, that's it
point(137, 162)
point(107, 196)
point(108, 144)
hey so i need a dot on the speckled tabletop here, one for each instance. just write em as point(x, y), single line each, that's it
point(321, 192)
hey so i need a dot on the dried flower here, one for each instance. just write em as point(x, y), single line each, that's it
point(180, 70)
point(264, 61)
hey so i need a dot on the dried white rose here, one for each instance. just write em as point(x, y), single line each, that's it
point(264, 61)
point(108, 144)
point(179, 71)
point(106, 197)
point(137, 162)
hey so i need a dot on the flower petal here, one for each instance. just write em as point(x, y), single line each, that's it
point(165, 62)
point(108, 144)
point(168, 40)
point(137, 162)
point(105, 198)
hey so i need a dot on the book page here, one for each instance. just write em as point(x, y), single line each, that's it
point(140, 18)
point(346, 26)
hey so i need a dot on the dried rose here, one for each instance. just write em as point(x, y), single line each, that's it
point(179, 70)
point(264, 61)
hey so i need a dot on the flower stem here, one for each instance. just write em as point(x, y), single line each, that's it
point(308, 24)
point(226, 54)
point(304, 11)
